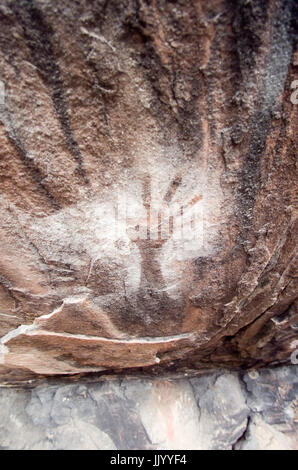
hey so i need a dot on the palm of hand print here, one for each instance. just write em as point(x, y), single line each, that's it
point(150, 248)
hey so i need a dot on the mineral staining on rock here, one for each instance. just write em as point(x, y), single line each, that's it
point(146, 153)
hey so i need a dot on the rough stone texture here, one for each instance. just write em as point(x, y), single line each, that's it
point(221, 410)
point(157, 103)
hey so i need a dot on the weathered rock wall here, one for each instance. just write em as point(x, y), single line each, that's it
point(114, 113)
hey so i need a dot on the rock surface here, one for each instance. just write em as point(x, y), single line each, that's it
point(147, 178)
point(220, 410)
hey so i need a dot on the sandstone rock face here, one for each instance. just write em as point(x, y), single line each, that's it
point(220, 410)
point(147, 173)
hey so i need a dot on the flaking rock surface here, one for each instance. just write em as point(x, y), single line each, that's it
point(148, 183)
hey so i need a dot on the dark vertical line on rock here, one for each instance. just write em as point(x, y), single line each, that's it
point(249, 23)
point(34, 171)
point(274, 77)
point(37, 34)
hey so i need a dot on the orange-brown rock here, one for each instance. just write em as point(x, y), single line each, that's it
point(148, 185)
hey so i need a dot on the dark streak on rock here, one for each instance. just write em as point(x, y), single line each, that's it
point(37, 34)
point(34, 171)
point(273, 83)
point(162, 79)
point(248, 26)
